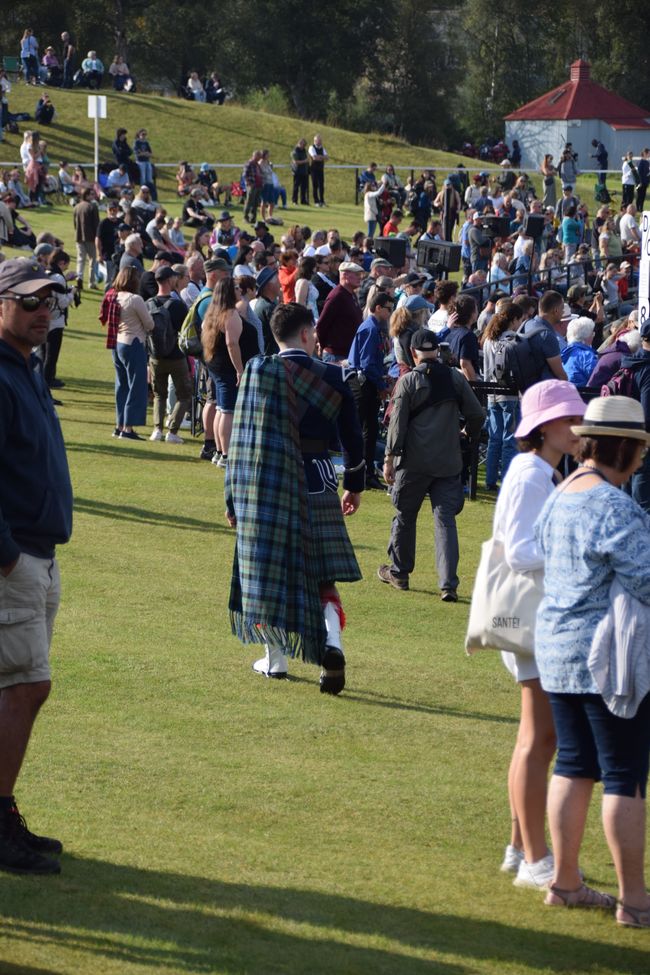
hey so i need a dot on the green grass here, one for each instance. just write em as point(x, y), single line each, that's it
point(215, 822)
point(187, 130)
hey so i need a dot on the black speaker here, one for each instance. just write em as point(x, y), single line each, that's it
point(438, 255)
point(393, 249)
point(533, 225)
point(496, 226)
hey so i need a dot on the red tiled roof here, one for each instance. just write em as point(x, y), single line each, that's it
point(581, 98)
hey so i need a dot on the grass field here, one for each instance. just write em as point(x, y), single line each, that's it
point(215, 822)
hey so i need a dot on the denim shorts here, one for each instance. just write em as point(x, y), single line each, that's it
point(268, 193)
point(592, 743)
point(29, 599)
point(226, 392)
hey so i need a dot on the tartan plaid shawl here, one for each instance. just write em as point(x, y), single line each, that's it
point(273, 595)
point(110, 314)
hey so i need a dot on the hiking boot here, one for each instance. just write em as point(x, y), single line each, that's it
point(39, 844)
point(385, 573)
point(22, 851)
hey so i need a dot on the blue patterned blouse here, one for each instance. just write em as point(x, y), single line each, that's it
point(587, 538)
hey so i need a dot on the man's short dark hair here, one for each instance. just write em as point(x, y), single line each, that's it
point(549, 301)
point(287, 320)
point(465, 309)
point(381, 300)
point(526, 303)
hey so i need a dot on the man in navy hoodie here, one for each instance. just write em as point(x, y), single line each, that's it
point(35, 516)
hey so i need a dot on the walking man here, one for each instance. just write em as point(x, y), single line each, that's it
point(35, 516)
point(423, 459)
point(368, 377)
point(86, 223)
point(282, 497)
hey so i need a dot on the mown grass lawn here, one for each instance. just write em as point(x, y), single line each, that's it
point(215, 822)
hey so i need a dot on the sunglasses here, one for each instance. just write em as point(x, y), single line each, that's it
point(30, 302)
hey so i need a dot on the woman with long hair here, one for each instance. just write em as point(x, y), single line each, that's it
point(402, 326)
point(549, 172)
point(130, 355)
point(306, 292)
point(544, 435)
point(199, 241)
point(229, 341)
point(503, 411)
point(245, 288)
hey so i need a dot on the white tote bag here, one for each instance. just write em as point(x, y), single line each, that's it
point(504, 605)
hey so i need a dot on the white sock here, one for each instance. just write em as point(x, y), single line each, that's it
point(332, 625)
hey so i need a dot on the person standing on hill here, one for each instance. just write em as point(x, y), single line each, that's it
point(300, 169)
point(35, 516)
point(69, 53)
point(318, 155)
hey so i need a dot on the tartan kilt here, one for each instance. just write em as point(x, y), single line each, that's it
point(330, 555)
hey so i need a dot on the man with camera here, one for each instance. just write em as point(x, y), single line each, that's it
point(423, 459)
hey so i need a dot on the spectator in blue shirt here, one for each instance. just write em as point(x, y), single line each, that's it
point(578, 358)
point(570, 233)
point(366, 357)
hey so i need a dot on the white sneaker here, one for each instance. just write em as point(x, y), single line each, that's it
point(173, 438)
point(537, 875)
point(223, 461)
point(186, 424)
point(156, 435)
point(215, 459)
point(511, 859)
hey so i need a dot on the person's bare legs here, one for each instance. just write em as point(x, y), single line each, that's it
point(19, 706)
point(535, 747)
point(516, 838)
point(568, 803)
point(624, 824)
point(225, 430)
point(216, 427)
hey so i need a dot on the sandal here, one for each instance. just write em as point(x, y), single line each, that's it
point(582, 897)
point(640, 916)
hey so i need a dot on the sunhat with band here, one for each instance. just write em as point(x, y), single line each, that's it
point(614, 416)
point(552, 399)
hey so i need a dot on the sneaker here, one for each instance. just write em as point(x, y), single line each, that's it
point(116, 432)
point(39, 844)
point(130, 435)
point(449, 596)
point(207, 453)
point(537, 875)
point(173, 438)
point(216, 457)
point(223, 461)
point(186, 424)
point(156, 435)
point(386, 574)
point(511, 859)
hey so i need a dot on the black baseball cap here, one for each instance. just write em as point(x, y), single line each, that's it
point(424, 340)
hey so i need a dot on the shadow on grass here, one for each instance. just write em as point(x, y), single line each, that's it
point(121, 450)
point(375, 699)
point(122, 512)
point(6, 968)
point(79, 334)
point(120, 913)
point(74, 383)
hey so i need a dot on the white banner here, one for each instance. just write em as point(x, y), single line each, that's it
point(644, 270)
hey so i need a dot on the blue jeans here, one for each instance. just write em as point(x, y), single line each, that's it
point(30, 67)
point(502, 421)
point(146, 172)
point(130, 384)
point(372, 226)
point(280, 193)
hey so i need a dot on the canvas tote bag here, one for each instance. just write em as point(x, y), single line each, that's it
point(504, 604)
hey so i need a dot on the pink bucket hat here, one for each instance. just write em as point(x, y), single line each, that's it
point(546, 401)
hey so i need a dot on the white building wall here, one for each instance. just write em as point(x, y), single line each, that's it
point(536, 139)
point(539, 137)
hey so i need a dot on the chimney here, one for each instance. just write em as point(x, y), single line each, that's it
point(580, 70)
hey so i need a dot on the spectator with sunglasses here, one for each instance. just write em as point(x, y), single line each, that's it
point(35, 516)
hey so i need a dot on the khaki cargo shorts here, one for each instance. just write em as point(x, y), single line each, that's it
point(29, 599)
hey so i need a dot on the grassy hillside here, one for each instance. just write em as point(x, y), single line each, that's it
point(187, 130)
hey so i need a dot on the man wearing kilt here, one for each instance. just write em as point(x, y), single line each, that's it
point(282, 497)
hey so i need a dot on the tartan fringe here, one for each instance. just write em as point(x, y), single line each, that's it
point(251, 631)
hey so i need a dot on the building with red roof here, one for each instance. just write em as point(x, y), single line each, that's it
point(577, 112)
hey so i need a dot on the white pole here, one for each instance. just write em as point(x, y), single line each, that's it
point(96, 146)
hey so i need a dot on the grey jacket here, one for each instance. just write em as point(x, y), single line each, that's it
point(430, 442)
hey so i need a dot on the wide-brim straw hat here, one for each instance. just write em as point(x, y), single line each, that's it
point(614, 416)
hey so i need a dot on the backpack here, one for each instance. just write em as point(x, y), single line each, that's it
point(162, 340)
point(520, 362)
point(622, 383)
point(189, 340)
point(601, 194)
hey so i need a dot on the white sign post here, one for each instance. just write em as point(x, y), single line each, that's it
point(96, 110)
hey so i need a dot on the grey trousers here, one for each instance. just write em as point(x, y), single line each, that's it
point(447, 500)
point(86, 252)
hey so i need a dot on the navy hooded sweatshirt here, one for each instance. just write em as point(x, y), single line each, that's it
point(35, 488)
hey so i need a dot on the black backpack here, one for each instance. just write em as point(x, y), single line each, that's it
point(520, 361)
point(163, 340)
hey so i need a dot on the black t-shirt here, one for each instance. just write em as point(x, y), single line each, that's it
point(107, 235)
point(464, 345)
point(177, 312)
point(193, 204)
point(148, 286)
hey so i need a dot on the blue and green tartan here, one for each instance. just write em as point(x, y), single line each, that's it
point(288, 542)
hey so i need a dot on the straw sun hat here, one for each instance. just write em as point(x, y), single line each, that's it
point(613, 416)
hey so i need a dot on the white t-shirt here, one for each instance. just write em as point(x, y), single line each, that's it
point(317, 151)
point(438, 320)
point(627, 176)
point(629, 229)
point(526, 486)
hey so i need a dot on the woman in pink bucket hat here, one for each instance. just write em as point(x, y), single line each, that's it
point(544, 435)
